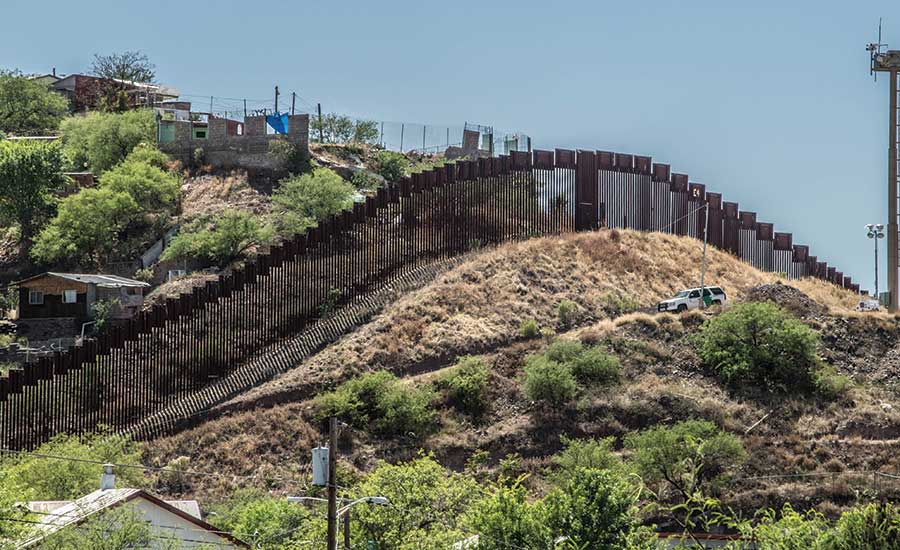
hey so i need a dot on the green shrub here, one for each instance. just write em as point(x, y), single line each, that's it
point(687, 456)
point(365, 131)
point(595, 366)
point(335, 128)
point(271, 520)
point(148, 154)
point(218, 240)
point(529, 329)
point(152, 188)
point(589, 365)
point(466, 385)
point(98, 141)
point(549, 382)
point(617, 303)
point(299, 202)
point(198, 157)
point(585, 453)
point(86, 227)
point(102, 312)
point(144, 275)
point(595, 509)
point(507, 519)
point(380, 402)
point(829, 383)
point(48, 479)
point(788, 529)
point(366, 181)
point(758, 343)
point(427, 504)
point(567, 312)
point(28, 107)
point(288, 156)
point(391, 166)
point(873, 526)
point(30, 172)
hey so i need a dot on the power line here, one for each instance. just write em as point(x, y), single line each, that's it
point(142, 467)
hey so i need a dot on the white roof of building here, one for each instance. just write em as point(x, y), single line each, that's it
point(191, 507)
point(104, 281)
point(54, 518)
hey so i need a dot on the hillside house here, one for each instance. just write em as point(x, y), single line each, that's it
point(71, 295)
point(85, 92)
point(170, 523)
point(223, 142)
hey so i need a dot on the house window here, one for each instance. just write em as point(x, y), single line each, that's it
point(70, 296)
point(201, 134)
point(35, 298)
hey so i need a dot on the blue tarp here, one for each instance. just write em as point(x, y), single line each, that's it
point(278, 122)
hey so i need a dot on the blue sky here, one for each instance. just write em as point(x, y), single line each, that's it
point(768, 102)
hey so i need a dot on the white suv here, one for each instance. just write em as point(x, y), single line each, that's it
point(690, 299)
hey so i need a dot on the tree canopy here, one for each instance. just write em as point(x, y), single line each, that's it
point(301, 201)
point(28, 107)
point(86, 227)
point(130, 66)
point(29, 173)
point(759, 343)
point(98, 141)
point(218, 239)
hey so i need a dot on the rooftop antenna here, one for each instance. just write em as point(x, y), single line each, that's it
point(875, 50)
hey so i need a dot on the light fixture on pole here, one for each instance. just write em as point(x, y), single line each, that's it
point(875, 231)
point(345, 510)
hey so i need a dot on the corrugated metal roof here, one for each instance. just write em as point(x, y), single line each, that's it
point(78, 511)
point(113, 281)
point(105, 281)
point(191, 507)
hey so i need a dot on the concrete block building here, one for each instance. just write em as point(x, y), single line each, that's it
point(225, 143)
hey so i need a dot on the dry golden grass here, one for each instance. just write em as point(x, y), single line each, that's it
point(209, 194)
point(481, 303)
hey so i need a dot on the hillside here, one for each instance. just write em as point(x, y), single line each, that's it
point(477, 308)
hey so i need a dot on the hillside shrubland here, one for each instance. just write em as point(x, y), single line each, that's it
point(528, 396)
point(637, 393)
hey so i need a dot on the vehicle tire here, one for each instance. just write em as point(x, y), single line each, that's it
point(717, 302)
point(682, 308)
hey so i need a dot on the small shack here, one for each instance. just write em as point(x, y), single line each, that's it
point(71, 295)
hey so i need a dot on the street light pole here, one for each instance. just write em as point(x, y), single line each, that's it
point(703, 263)
point(344, 511)
point(875, 231)
point(332, 485)
point(876, 268)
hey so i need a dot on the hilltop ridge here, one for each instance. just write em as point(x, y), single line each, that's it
point(613, 277)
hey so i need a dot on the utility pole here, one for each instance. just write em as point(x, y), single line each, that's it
point(424, 127)
point(889, 62)
point(293, 102)
point(245, 110)
point(276, 99)
point(703, 263)
point(347, 529)
point(893, 265)
point(332, 485)
point(401, 137)
point(210, 104)
point(319, 108)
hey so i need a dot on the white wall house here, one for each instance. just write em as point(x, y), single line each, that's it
point(176, 522)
